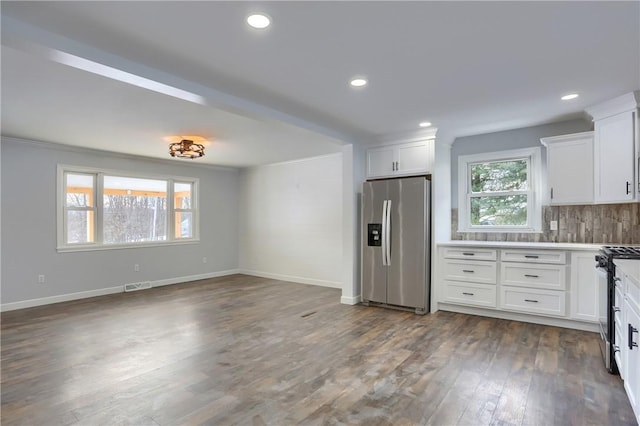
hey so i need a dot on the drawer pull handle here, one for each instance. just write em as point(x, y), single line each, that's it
point(531, 276)
point(468, 271)
point(531, 300)
point(467, 294)
point(531, 256)
point(466, 253)
point(616, 348)
point(632, 330)
point(616, 309)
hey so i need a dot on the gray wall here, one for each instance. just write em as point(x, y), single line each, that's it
point(510, 139)
point(28, 202)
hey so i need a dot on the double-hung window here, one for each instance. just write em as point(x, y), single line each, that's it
point(100, 209)
point(500, 191)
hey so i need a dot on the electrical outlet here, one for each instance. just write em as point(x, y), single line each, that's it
point(40, 279)
point(136, 268)
point(204, 260)
point(553, 225)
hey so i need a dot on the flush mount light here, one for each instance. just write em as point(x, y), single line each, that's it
point(185, 146)
point(358, 82)
point(569, 97)
point(424, 124)
point(258, 20)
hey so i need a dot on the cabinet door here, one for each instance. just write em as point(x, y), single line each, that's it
point(412, 158)
point(615, 158)
point(632, 355)
point(570, 171)
point(584, 287)
point(380, 162)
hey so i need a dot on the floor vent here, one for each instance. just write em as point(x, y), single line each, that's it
point(137, 286)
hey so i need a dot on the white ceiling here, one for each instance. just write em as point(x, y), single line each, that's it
point(283, 93)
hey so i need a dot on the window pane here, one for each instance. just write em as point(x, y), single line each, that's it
point(135, 210)
point(184, 225)
point(499, 176)
point(182, 195)
point(499, 211)
point(79, 226)
point(79, 190)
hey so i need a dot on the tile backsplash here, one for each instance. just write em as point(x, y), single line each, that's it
point(589, 224)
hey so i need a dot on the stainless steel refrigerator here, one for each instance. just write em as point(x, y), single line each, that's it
point(396, 243)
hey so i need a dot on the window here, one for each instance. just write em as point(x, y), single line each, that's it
point(500, 192)
point(105, 209)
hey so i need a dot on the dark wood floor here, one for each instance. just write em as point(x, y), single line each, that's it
point(246, 350)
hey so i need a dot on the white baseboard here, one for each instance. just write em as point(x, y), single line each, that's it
point(178, 280)
point(291, 278)
point(60, 298)
point(109, 290)
point(350, 300)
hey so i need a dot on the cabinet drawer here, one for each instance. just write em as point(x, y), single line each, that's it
point(470, 253)
point(470, 294)
point(470, 271)
point(552, 277)
point(633, 293)
point(545, 302)
point(534, 256)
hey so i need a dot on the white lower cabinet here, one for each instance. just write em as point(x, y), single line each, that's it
point(627, 329)
point(549, 282)
point(468, 281)
point(584, 292)
point(533, 282)
point(631, 373)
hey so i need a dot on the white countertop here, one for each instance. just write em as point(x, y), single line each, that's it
point(511, 244)
point(631, 267)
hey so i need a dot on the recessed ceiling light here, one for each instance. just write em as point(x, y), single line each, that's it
point(424, 124)
point(359, 82)
point(258, 21)
point(569, 97)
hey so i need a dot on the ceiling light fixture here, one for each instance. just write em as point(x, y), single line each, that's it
point(186, 149)
point(258, 21)
point(359, 82)
point(425, 124)
point(569, 97)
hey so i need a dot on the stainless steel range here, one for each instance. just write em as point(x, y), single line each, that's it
point(607, 285)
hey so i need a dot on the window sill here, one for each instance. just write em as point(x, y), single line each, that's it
point(71, 249)
point(497, 230)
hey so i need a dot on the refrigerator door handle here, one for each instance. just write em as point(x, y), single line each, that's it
point(388, 231)
point(384, 233)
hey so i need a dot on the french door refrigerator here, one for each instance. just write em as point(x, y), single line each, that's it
point(396, 243)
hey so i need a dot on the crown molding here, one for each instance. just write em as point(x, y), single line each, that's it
point(624, 103)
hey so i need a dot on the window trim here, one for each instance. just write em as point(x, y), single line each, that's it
point(534, 194)
point(98, 243)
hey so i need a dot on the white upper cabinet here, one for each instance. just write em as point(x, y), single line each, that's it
point(617, 149)
point(404, 159)
point(570, 169)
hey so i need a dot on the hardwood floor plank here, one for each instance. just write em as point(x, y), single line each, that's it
point(249, 350)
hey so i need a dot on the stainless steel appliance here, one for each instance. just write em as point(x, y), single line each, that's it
point(396, 242)
point(607, 285)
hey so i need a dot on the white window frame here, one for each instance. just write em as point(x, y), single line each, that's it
point(98, 243)
point(534, 194)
